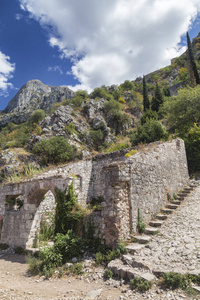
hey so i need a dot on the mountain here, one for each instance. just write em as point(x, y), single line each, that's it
point(37, 95)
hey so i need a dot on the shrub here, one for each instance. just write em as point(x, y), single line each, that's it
point(37, 116)
point(108, 274)
point(140, 225)
point(151, 131)
point(77, 101)
point(118, 121)
point(112, 105)
point(97, 138)
point(116, 147)
point(76, 269)
point(140, 284)
point(70, 128)
point(130, 153)
point(55, 150)
point(175, 280)
point(3, 246)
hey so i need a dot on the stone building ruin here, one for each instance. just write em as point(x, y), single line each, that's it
point(125, 184)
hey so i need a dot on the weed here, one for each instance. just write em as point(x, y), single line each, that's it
point(140, 225)
point(108, 274)
point(76, 269)
point(176, 280)
point(3, 246)
point(140, 284)
point(20, 251)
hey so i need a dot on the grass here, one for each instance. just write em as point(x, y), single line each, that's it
point(28, 172)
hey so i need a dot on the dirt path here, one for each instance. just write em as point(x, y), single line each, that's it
point(15, 284)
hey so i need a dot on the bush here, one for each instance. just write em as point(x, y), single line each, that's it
point(37, 116)
point(140, 284)
point(112, 105)
point(140, 225)
point(174, 280)
point(108, 274)
point(76, 269)
point(151, 131)
point(118, 121)
point(55, 150)
point(96, 137)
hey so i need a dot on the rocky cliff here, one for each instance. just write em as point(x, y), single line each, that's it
point(37, 95)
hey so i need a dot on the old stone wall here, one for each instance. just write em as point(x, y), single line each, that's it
point(124, 184)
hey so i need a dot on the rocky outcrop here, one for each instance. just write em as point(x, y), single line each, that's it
point(36, 95)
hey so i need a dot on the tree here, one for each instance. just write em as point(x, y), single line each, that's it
point(37, 116)
point(145, 95)
point(150, 131)
point(192, 63)
point(55, 150)
point(183, 110)
point(157, 99)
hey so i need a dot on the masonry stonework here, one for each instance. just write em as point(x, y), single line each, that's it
point(126, 184)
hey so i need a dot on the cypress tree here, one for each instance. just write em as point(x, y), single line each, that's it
point(145, 95)
point(192, 62)
point(157, 99)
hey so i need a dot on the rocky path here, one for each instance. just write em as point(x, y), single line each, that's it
point(177, 245)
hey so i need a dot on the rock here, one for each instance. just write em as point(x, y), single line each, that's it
point(74, 259)
point(93, 294)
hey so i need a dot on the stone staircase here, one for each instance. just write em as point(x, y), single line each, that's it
point(128, 267)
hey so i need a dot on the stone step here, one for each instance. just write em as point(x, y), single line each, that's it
point(161, 217)
point(151, 230)
point(126, 271)
point(167, 211)
point(180, 198)
point(134, 247)
point(142, 239)
point(172, 206)
point(156, 223)
point(177, 202)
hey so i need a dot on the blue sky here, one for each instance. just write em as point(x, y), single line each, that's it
point(88, 43)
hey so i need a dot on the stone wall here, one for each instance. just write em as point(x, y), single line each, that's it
point(126, 184)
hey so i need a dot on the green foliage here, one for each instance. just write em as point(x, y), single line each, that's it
point(192, 144)
point(130, 153)
point(157, 99)
point(115, 147)
point(47, 227)
point(101, 92)
point(151, 131)
point(183, 110)
point(97, 138)
point(176, 280)
point(127, 85)
point(20, 251)
point(70, 128)
point(192, 60)
point(77, 101)
point(118, 121)
point(68, 214)
point(83, 94)
point(103, 258)
point(140, 284)
point(108, 274)
point(3, 246)
point(112, 105)
point(140, 225)
point(149, 114)
point(76, 269)
point(146, 104)
point(54, 150)
point(37, 116)
point(68, 245)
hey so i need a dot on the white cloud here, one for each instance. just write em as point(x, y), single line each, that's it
point(6, 70)
point(55, 69)
point(111, 41)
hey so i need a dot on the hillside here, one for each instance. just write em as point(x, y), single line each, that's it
point(110, 118)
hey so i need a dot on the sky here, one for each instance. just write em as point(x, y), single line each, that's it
point(86, 44)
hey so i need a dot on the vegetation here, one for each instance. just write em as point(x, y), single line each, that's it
point(55, 150)
point(140, 284)
point(146, 104)
point(192, 63)
point(140, 225)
